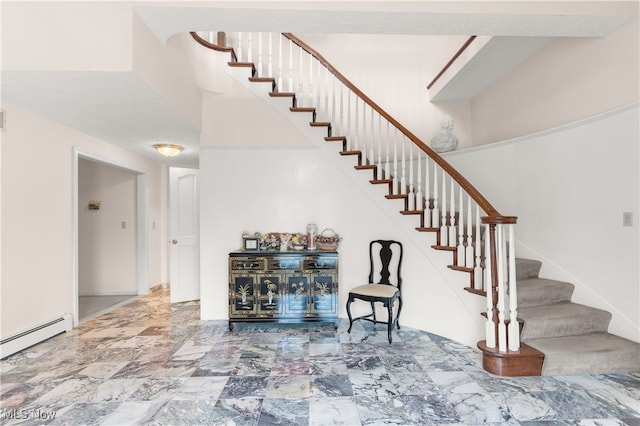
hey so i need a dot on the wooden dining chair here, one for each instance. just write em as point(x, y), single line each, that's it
point(385, 282)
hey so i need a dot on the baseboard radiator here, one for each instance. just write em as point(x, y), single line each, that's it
point(21, 341)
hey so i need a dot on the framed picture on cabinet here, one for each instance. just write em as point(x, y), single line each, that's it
point(250, 243)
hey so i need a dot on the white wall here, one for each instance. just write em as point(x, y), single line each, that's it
point(37, 203)
point(398, 83)
point(281, 190)
point(569, 187)
point(567, 80)
point(168, 69)
point(107, 251)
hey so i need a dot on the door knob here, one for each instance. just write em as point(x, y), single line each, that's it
point(174, 241)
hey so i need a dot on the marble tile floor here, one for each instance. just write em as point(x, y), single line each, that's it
point(152, 363)
point(92, 306)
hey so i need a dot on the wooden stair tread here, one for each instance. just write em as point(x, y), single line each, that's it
point(262, 80)
point(282, 94)
point(411, 212)
point(427, 229)
point(460, 268)
point(478, 292)
point(302, 109)
point(444, 248)
point(335, 138)
point(365, 167)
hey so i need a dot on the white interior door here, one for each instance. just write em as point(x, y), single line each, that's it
point(184, 254)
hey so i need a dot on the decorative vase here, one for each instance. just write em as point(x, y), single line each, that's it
point(312, 234)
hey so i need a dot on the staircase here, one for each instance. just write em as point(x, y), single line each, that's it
point(573, 337)
point(570, 338)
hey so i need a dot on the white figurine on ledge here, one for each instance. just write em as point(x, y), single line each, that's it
point(445, 140)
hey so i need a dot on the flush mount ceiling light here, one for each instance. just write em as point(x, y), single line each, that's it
point(168, 150)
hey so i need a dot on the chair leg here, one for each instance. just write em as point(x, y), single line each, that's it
point(373, 311)
point(398, 315)
point(349, 314)
point(390, 320)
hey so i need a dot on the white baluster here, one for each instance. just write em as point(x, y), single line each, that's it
point(356, 129)
point(379, 148)
point(435, 213)
point(341, 128)
point(490, 326)
point(403, 178)
point(260, 72)
point(468, 257)
point(411, 205)
point(502, 328)
point(270, 65)
point(239, 52)
point(318, 89)
point(349, 130)
point(514, 327)
point(428, 221)
point(387, 167)
point(290, 88)
point(280, 77)
point(326, 92)
point(478, 275)
point(300, 74)
point(452, 215)
point(460, 250)
point(395, 161)
point(250, 47)
point(311, 63)
point(419, 199)
point(444, 232)
point(333, 99)
point(372, 158)
point(364, 133)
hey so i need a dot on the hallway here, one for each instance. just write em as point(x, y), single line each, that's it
point(148, 362)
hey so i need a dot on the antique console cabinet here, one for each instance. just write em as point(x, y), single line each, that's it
point(289, 287)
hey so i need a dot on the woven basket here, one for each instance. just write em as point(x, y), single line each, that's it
point(328, 240)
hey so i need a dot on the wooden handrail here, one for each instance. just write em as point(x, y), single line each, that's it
point(452, 60)
point(220, 47)
point(493, 216)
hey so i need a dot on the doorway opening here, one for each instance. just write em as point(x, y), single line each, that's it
point(110, 244)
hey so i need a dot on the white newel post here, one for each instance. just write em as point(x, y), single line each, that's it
point(502, 328)
point(490, 325)
point(514, 327)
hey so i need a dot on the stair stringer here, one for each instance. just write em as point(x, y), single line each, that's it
point(473, 327)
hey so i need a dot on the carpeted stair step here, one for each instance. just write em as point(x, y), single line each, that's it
point(541, 291)
point(527, 268)
point(587, 354)
point(561, 319)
